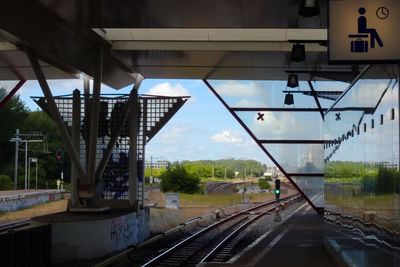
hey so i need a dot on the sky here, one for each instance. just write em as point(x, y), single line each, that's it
point(201, 130)
point(204, 130)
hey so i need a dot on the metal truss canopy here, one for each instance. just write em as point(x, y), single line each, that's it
point(113, 180)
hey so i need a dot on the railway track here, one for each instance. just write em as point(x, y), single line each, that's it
point(13, 225)
point(214, 242)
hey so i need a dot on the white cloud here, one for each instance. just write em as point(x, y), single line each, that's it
point(368, 94)
point(174, 135)
point(249, 103)
point(241, 89)
point(226, 137)
point(284, 125)
point(166, 89)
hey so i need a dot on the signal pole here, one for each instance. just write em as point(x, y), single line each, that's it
point(60, 159)
point(277, 217)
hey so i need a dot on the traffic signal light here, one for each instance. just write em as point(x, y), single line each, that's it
point(277, 187)
point(60, 155)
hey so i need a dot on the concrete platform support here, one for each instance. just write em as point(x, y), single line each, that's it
point(77, 236)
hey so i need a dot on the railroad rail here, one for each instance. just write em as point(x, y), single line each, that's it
point(14, 225)
point(205, 244)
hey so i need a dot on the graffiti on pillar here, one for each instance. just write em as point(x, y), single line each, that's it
point(116, 229)
point(126, 230)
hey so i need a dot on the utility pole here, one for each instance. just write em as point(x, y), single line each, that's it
point(151, 169)
point(16, 140)
point(26, 165)
point(37, 162)
point(29, 173)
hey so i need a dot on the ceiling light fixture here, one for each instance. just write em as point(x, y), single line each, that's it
point(289, 99)
point(298, 53)
point(309, 8)
point(293, 80)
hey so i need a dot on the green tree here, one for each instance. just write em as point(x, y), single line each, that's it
point(49, 168)
point(12, 117)
point(177, 179)
point(263, 184)
point(387, 181)
point(5, 182)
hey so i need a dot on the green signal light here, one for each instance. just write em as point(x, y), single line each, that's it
point(277, 191)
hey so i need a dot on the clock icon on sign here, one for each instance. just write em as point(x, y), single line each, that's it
point(382, 12)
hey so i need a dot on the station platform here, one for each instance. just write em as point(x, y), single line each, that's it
point(12, 200)
point(306, 239)
point(299, 241)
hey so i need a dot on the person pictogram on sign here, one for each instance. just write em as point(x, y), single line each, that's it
point(362, 28)
point(360, 45)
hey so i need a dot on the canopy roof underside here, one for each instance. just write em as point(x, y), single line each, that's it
point(224, 39)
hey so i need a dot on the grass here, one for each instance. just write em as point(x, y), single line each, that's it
point(352, 180)
point(208, 200)
point(385, 205)
point(204, 179)
point(191, 206)
point(218, 200)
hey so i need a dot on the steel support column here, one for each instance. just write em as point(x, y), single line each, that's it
point(259, 144)
point(133, 132)
point(144, 150)
point(86, 91)
point(76, 122)
point(94, 118)
point(122, 118)
point(316, 99)
point(56, 114)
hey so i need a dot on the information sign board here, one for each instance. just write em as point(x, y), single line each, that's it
point(364, 31)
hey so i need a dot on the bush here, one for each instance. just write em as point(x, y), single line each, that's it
point(177, 179)
point(263, 183)
point(387, 181)
point(5, 182)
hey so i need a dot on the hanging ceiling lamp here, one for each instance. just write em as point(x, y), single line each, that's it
point(293, 81)
point(298, 53)
point(309, 8)
point(289, 99)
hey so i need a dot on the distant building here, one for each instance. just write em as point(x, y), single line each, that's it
point(388, 165)
point(157, 164)
point(273, 172)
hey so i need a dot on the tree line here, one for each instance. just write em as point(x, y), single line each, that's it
point(15, 115)
point(374, 178)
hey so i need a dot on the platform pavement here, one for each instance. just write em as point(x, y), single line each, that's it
point(298, 241)
point(15, 193)
point(13, 200)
